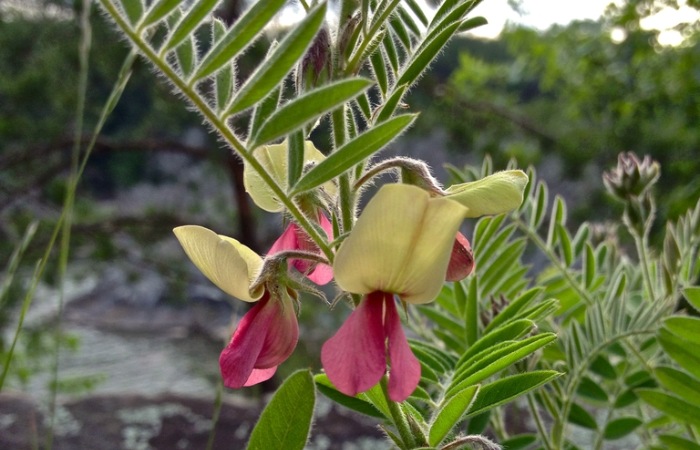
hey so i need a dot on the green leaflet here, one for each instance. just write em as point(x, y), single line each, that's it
point(425, 56)
point(391, 103)
point(190, 20)
point(506, 389)
point(264, 110)
point(687, 328)
point(358, 149)
point(521, 441)
point(621, 427)
point(240, 36)
point(278, 64)
point(225, 78)
point(591, 390)
point(472, 23)
point(286, 420)
point(489, 363)
point(693, 296)
point(133, 10)
point(510, 331)
point(307, 108)
point(452, 7)
point(581, 417)
point(356, 404)
point(514, 308)
point(679, 349)
point(450, 413)
point(671, 405)
point(679, 383)
point(678, 443)
point(157, 11)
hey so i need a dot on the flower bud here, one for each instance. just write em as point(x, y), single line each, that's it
point(631, 177)
point(316, 66)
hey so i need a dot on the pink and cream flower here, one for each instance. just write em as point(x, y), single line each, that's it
point(399, 248)
point(268, 333)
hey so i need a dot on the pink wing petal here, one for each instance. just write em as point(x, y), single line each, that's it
point(355, 357)
point(238, 358)
point(405, 368)
point(461, 260)
point(323, 273)
point(287, 241)
point(281, 336)
point(265, 337)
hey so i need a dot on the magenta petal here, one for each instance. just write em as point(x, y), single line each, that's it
point(354, 358)
point(405, 368)
point(323, 273)
point(281, 337)
point(260, 375)
point(287, 241)
point(265, 337)
point(461, 260)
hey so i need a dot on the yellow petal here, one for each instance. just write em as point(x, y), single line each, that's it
point(273, 158)
point(226, 262)
point(495, 194)
point(400, 244)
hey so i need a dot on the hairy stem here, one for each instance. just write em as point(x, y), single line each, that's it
point(219, 123)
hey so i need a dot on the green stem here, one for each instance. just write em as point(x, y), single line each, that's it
point(397, 416)
point(345, 193)
point(218, 403)
point(642, 244)
point(556, 262)
point(219, 123)
point(123, 78)
point(356, 59)
point(69, 201)
point(539, 423)
point(575, 375)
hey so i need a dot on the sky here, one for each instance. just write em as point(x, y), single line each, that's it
point(540, 14)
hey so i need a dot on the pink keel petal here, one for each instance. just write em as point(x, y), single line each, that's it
point(265, 337)
point(405, 368)
point(355, 357)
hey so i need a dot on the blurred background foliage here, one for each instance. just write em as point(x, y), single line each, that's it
point(577, 94)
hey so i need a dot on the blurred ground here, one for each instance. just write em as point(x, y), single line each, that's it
point(137, 422)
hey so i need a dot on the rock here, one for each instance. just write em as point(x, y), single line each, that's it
point(124, 422)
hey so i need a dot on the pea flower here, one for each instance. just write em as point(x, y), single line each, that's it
point(401, 245)
point(274, 159)
point(268, 333)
